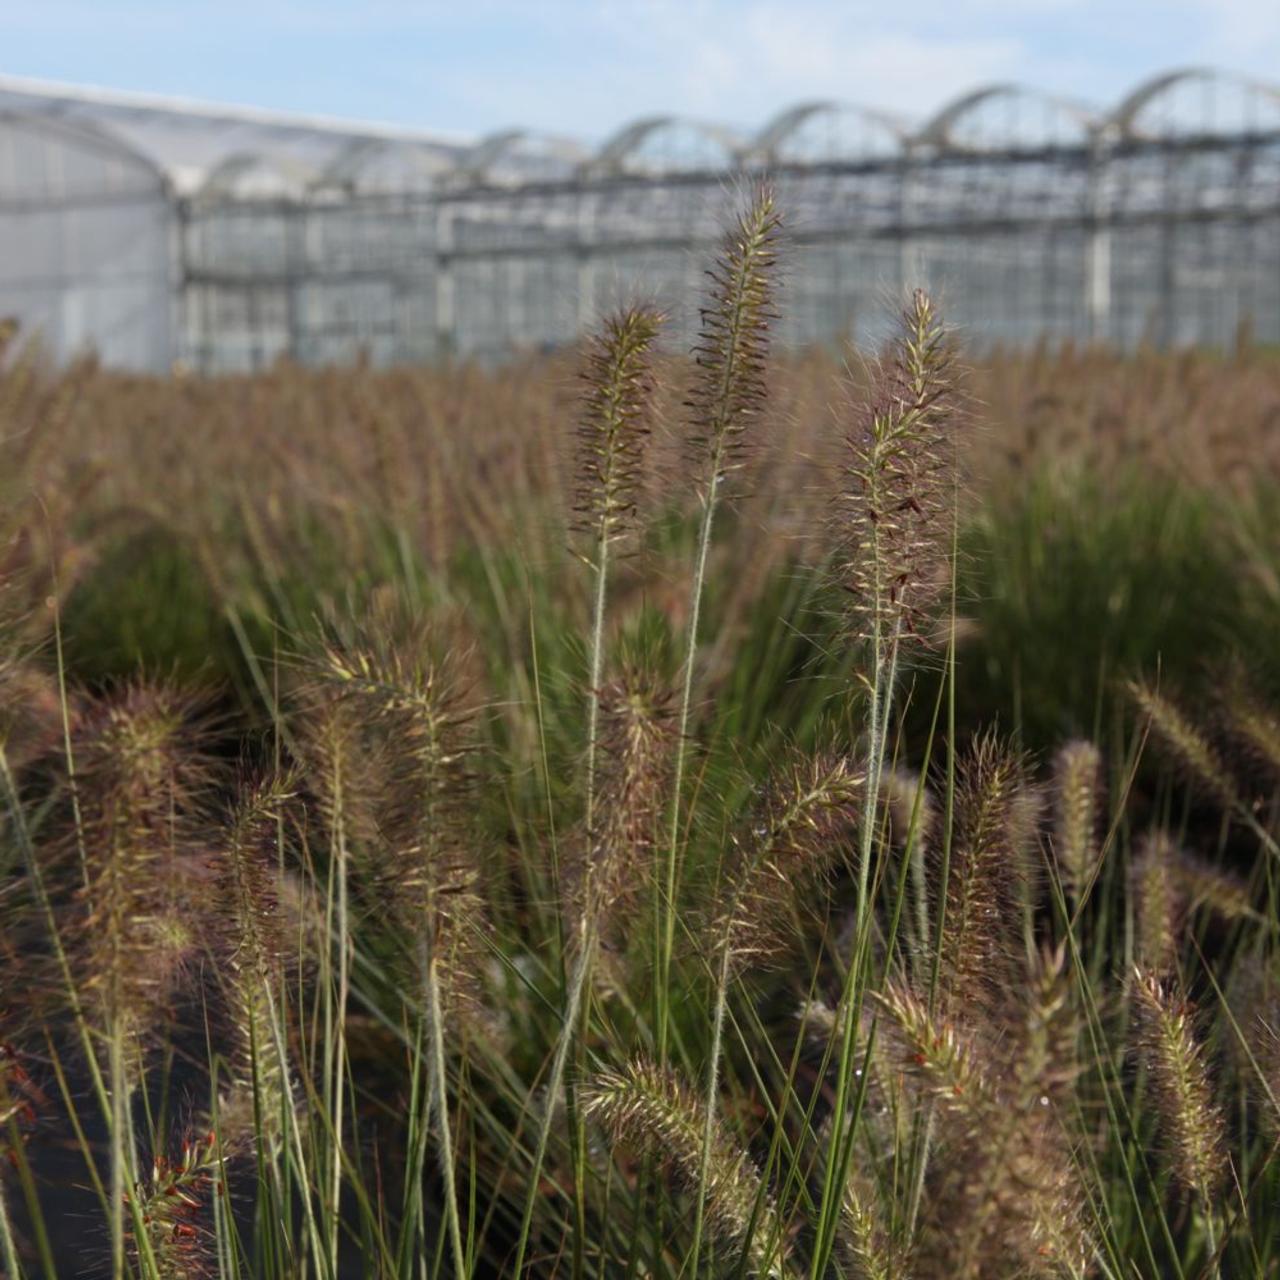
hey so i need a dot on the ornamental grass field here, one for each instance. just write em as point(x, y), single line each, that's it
point(644, 813)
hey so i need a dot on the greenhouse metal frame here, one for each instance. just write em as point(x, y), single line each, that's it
point(161, 233)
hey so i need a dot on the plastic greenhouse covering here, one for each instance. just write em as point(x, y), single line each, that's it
point(158, 232)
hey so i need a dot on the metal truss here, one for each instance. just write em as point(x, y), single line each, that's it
point(226, 240)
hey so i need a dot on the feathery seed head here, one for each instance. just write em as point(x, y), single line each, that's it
point(1198, 757)
point(1078, 808)
point(1047, 1062)
point(862, 1231)
point(649, 1110)
point(1254, 998)
point(1254, 728)
point(820, 1022)
point(409, 711)
point(910, 807)
point(615, 423)
point(987, 863)
point(248, 869)
point(1005, 1194)
point(1166, 1044)
point(1205, 885)
point(30, 712)
point(729, 389)
point(254, 941)
point(141, 743)
point(934, 1050)
point(892, 523)
point(795, 837)
point(1167, 883)
point(1159, 907)
point(137, 900)
point(173, 1202)
point(637, 730)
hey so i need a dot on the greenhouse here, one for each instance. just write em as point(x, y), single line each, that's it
point(162, 233)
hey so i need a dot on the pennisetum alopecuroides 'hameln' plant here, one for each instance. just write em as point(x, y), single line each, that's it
point(893, 535)
point(615, 422)
point(729, 392)
point(426, 857)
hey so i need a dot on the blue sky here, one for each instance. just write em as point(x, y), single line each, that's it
point(567, 66)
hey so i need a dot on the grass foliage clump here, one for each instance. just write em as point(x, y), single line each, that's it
point(437, 899)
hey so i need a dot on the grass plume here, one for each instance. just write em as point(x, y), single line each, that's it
point(893, 522)
point(647, 1110)
point(1078, 815)
point(729, 391)
point(1166, 1044)
point(981, 895)
point(1193, 750)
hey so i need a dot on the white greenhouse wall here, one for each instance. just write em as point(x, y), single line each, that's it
point(85, 245)
point(158, 231)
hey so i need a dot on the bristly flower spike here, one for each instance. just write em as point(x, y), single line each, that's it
point(615, 424)
point(252, 1104)
point(1184, 740)
point(1158, 902)
point(729, 390)
point(172, 1203)
point(1078, 800)
point(1167, 1046)
point(733, 347)
point(649, 1110)
point(410, 702)
point(805, 823)
point(635, 749)
point(1254, 728)
point(892, 522)
point(981, 892)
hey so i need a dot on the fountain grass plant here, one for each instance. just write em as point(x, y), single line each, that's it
point(475, 947)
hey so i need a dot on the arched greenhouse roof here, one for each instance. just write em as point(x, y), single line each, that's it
point(829, 132)
point(1008, 117)
point(250, 176)
point(514, 156)
point(106, 165)
point(1197, 102)
point(668, 144)
point(196, 149)
point(188, 142)
point(387, 164)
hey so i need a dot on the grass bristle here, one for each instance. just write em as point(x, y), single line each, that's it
point(1166, 1044)
point(893, 524)
point(651, 1113)
point(636, 739)
point(730, 387)
point(1078, 815)
point(802, 827)
point(987, 862)
point(173, 1204)
point(131, 849)
point(1188, 745)
point(616, 421)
